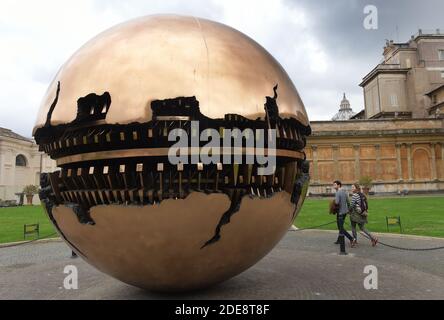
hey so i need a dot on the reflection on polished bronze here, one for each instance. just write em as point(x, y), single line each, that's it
point(158, 247)
point(119, 202)
point(160, 57)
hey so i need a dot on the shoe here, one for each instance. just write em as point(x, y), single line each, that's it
point(353, 243)
point(375, 242)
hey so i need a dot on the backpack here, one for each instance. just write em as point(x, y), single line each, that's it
point(363, 203)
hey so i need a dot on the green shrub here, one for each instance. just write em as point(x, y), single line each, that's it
point(31, 190)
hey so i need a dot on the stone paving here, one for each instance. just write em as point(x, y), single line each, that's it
point(305, 265)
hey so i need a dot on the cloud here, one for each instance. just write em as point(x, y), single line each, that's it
point(37, 37)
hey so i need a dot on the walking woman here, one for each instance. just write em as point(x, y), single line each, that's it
point(359, 213)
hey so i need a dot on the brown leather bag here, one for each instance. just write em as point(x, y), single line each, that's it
point(334, 208)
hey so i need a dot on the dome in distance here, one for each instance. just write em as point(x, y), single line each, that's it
point(345, 111)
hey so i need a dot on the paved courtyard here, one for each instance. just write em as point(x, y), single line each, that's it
point(305, 265)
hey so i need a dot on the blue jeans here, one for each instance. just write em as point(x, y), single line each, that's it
point(340, 221)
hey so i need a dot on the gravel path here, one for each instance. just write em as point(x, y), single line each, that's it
point(305, 265)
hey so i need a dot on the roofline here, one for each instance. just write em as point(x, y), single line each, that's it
point(375, 72)
point(433, 90)
point(358, 114)
point(436, 106)
point(16, 137)
point(398, 49)
point(375, 120)
point(382, 113)
point(428, 36)
point(15, 140)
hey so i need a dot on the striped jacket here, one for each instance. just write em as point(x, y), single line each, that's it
point(355, 210)
point(356, 203)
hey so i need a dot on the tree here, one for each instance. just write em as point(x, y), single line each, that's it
point(30, 191)
point(366, 184)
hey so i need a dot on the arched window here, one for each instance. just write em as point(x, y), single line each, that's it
point(20, 161)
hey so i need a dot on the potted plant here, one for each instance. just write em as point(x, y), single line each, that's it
point(30, 191)
point(366, 184)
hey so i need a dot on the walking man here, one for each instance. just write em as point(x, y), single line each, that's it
point(342, 203)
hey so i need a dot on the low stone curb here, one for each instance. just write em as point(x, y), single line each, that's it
point(388, 235)
point(2, 245)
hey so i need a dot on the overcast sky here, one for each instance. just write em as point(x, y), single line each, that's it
point(322, 44)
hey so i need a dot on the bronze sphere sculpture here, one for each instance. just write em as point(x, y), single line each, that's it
point(120, 203)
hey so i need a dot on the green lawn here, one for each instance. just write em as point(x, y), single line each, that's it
point(419, 215)
point(13, 219)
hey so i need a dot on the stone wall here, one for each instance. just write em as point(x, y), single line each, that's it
point(397, 154)
point(14, 178)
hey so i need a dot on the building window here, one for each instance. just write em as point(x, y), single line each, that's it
point(20, 161)
point(442, 74)
point(393, 100)
point(441, 54)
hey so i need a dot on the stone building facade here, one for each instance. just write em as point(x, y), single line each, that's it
point(399, 86)
point(398, 140)
point(20, 164)
point(397, 154)
point(437, 102)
